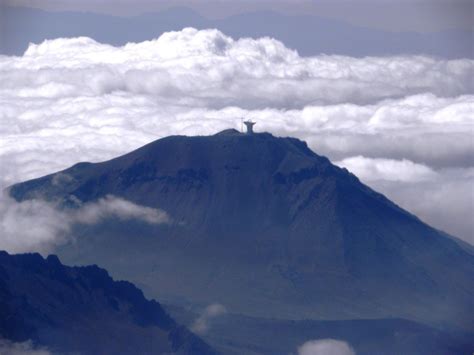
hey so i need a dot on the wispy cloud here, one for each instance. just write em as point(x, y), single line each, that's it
point(39, 226)
point(25, 348)
point(111, 206)
point(202, 324)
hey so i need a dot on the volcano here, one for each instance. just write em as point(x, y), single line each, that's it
point(268, 228)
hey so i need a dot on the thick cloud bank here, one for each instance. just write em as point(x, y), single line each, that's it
point(36, 225)
point(209, 69)
point(325, 347)
point(403, 124)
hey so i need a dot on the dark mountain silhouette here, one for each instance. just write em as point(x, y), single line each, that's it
point(309, 35)
point(81, 310)
point(268, 228)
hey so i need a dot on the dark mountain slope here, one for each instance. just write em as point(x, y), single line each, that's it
point(82, 310)
point(266, 227)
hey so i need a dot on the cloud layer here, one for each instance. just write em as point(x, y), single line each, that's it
point(401, 123)
point(325, 347)
point(202, 324)
point(26, 348)
point(387, 169)
point(208, 69)
point(36, 225)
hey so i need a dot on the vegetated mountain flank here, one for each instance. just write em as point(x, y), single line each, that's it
point(81, 310)
point(268, 228)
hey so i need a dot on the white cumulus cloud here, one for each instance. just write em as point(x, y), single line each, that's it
point(387, 169)
point(325, 347)
point(74, 99)
point(208, 69)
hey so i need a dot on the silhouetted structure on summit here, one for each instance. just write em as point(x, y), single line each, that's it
point(249, 124)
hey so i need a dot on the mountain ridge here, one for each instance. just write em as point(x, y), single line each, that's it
point(81, 309)
point(269, 227)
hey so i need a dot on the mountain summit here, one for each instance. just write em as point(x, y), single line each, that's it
point(267, 227)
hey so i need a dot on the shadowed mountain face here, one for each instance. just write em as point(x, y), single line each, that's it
point(81, 310)
point(266, 227)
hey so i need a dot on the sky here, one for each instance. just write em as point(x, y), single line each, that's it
point(353, 28)
point(403, 123)
point(393, 15)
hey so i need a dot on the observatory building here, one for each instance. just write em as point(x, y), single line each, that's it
point(249, 124)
